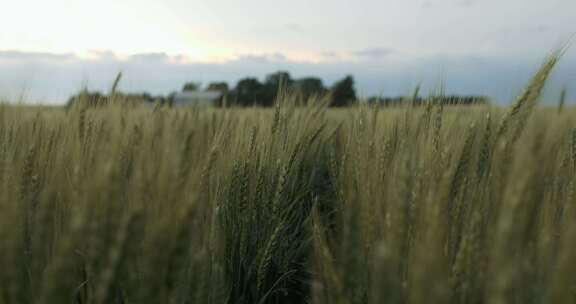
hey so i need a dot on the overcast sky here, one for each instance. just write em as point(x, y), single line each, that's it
point(50, 48)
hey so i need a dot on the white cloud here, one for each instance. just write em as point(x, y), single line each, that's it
point(162, 42)
point(373, 53)
point(204, 30)
point(12, 56)
point(53, 78)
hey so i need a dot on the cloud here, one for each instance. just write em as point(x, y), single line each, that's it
point(103, 55)
point(369, 54)
point(447, 5)
point(373, 53)
point(465, 3)
point(153, 57)
point(260, 59)
point(330, 55)
point(54, 77)
point(541, 28)
point(20, 56)
point(427, 4)
point(294, 27)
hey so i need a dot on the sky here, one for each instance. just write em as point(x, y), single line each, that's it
point(51, 48)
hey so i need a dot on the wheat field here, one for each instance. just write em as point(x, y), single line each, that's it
point(296, 204)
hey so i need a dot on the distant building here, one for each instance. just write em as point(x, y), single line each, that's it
point(197, 98)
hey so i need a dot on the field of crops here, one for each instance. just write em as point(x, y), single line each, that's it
point(432, 204)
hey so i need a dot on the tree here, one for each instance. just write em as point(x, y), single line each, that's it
point(343, 92)
point(309, 87)
point(273, 83)
point(218, 87)
point(191, 86)
point(221, 87)
point(279, 78)
point(248, 92)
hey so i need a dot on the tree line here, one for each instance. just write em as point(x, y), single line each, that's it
point(417, 100)
point(250, 91)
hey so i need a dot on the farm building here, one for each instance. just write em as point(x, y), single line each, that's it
point(197, 98)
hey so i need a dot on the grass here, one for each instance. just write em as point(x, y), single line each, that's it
point(122, 204)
